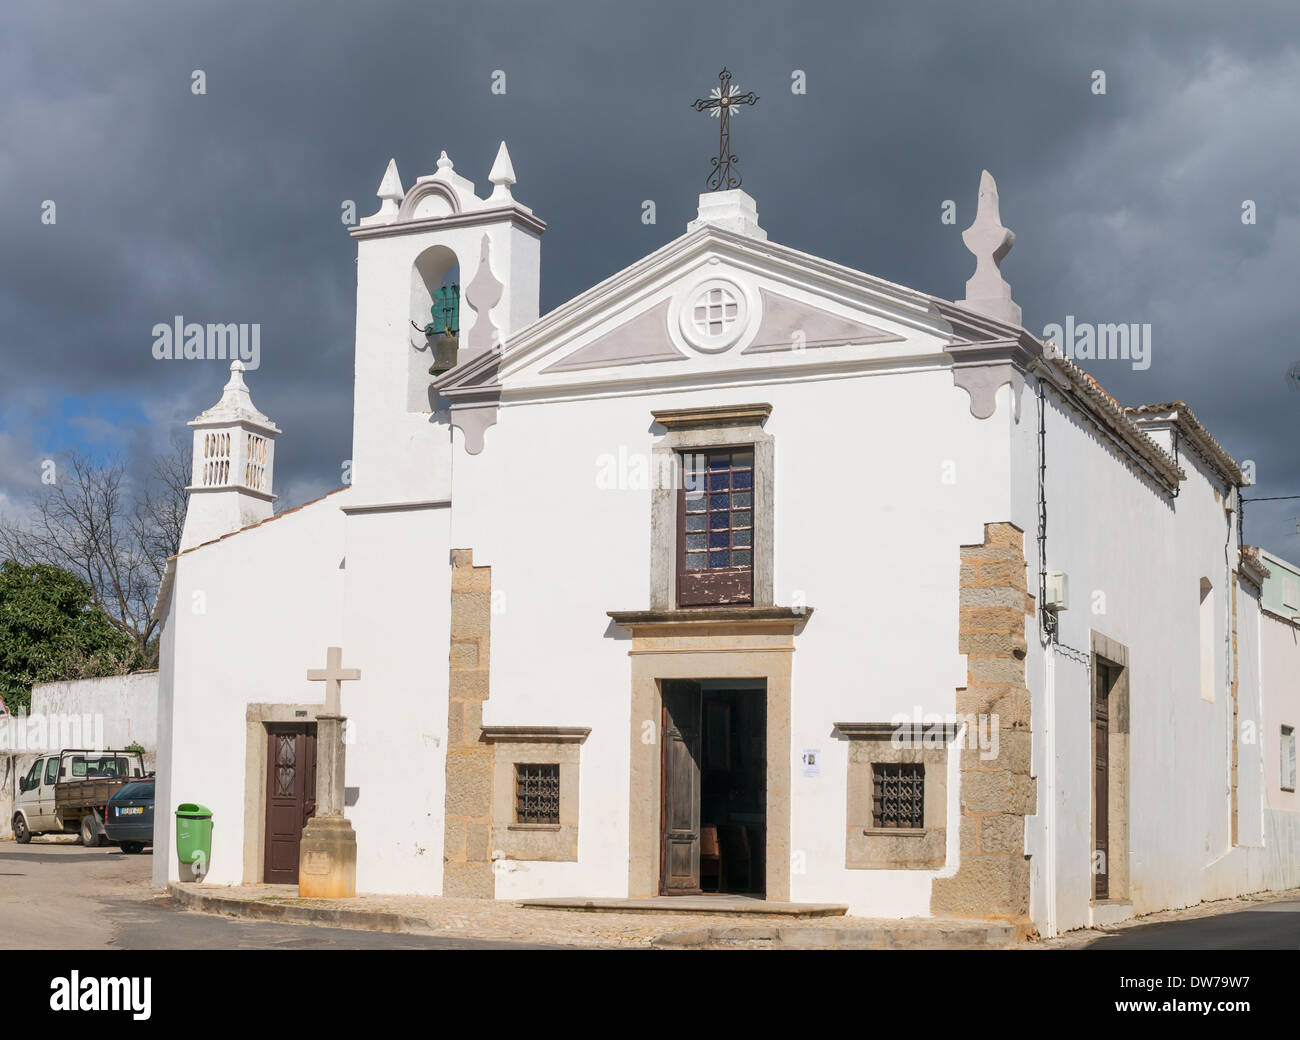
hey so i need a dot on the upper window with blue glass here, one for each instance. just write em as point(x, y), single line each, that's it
point(717, 527)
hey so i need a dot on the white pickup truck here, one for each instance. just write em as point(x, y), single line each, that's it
point(68, 793)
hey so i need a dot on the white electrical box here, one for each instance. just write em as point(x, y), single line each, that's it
point(1056, 595)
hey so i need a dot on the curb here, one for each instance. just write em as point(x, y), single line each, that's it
point(338, 917)
point(978, 936)
point(901, 936)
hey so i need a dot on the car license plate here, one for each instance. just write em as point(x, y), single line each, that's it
point(130, 810)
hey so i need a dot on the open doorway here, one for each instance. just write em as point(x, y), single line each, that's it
point(714, 797)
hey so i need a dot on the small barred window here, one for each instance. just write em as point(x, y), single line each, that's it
point(898, 794)
point(537, 793)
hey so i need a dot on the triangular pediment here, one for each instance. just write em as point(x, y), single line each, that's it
point(640, 340)
point(712, 302)
point(789, 325)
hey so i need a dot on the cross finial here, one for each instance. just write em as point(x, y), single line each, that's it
point(721, 102)
point(332, 675)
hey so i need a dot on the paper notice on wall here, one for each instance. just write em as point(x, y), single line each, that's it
point(812, 761)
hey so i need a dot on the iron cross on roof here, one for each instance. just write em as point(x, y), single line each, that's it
point(719, 104)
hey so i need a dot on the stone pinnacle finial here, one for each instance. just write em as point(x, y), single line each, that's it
point(986, 290)
point(502, 175)
point(443, 162)
point(390, 188)
point(482, 294)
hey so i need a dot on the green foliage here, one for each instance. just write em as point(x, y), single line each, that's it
point(50, 630)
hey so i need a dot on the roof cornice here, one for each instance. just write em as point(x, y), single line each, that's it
point(1182, 418)
point(1253, 568)
point(519, 217)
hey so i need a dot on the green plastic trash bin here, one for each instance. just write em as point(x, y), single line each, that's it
point(193, 833)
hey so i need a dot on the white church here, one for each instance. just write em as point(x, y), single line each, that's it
point(743, 571)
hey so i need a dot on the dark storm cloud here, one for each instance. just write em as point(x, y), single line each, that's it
point(225, 207)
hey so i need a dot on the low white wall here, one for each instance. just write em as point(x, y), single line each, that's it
point(127, 704)
point(122, 710)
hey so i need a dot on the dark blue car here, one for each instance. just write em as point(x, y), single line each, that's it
point(129, 819)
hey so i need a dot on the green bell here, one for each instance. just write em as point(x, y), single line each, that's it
point(444, 353)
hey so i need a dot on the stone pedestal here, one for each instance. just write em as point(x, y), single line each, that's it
point(327, 858)
point(327, 863)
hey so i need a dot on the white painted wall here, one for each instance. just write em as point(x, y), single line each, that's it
point(1280, 650)
point(127, 705)
point(170, 750)
point(274, 597)
point(1280, 654)
point(248, 616)
point(396, 616)
point(1117, 538)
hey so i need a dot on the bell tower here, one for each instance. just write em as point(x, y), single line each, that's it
point(233, 464)
point(405, 251)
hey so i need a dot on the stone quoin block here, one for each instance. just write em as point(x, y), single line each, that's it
point(995, 794)
point(467, 867)
point(464, 654)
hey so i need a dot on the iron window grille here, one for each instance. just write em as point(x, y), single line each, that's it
point(537, 793)
point(898, 795)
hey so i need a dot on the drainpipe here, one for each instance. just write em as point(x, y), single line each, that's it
point(1049, 784)
point(1047, 803)
point(1230, 620)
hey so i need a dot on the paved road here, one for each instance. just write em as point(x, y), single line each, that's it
point(1269, 926)
point(59, 896)
point(55, 895)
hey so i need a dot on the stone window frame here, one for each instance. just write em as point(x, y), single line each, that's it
point(535, 745)
point(1115, 655)
point(690, 429)
point(868, 847)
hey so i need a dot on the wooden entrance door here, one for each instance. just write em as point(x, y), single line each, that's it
point(1101, 785)
point(680, 771)
point(290, 797)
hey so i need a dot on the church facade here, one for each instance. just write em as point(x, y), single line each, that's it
point(742, 571)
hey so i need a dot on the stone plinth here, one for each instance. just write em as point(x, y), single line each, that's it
point(327, 864)
point(327, 857)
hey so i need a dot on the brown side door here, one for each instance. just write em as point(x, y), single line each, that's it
point(290, 797)
point(1101, 787)
point(680, 769)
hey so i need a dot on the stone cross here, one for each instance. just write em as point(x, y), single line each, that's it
point(986, 290)
point(333, 674)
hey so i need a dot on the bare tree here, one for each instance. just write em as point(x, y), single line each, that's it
point(160, 508)
point(116, 537)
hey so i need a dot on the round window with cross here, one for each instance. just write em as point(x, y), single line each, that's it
point(714, 315)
